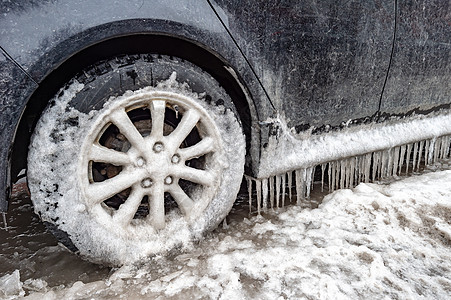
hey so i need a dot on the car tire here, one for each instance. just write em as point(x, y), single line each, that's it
point(136, 156)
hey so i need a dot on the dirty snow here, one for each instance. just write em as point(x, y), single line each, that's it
point(376, 241)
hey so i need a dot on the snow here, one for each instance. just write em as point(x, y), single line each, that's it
point(375, 241)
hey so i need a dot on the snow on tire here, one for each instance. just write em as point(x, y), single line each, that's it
point(152, 170)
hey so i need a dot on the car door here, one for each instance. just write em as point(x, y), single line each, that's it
point(321, 62)
point(420, 75)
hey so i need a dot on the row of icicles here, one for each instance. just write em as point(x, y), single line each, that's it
point(275, 191)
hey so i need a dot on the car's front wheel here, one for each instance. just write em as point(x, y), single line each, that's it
point(130, 174)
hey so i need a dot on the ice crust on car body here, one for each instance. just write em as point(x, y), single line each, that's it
point(347, 172)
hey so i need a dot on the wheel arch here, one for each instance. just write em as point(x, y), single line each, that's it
point(133, 44)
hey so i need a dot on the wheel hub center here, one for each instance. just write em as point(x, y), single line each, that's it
point(156, 162)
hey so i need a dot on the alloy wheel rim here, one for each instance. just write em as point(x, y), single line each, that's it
point(155, 165)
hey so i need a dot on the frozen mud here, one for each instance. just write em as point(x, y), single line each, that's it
point(385, 240)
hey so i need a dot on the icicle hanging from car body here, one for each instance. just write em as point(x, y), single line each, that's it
point(272, 192)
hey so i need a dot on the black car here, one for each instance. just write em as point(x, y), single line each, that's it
point(136, 120)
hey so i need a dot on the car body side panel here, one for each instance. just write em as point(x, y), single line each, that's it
point(420, 76)
point(10, 91)
point(322, 62)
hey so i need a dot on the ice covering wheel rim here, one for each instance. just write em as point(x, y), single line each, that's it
point(154, 164)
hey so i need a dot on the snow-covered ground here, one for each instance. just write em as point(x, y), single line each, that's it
point(376, 241)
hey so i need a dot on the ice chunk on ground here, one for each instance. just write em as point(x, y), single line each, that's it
point(11, 286)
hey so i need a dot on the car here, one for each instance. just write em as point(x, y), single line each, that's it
point(136, 120)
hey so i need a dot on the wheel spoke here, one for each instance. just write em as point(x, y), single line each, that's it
point(98, 192)
point(105, 155)
point(128, 129)
point(157, 112)
point(156, 205)
point(189, 120)
point(124, 215)
point(183, 200)
point(194, 175)
point(205, 146)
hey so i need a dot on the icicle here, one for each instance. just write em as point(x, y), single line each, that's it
point(376, 165)
point(383, 163)
point(401, 158)
point(298, 181)
point(337, 174)
point(349, 173)
point(342, 174)
point(360, 169)
point(443, 145)
point(409, 150)
point(395, 161)
point(271, 191)
point(283, 189)
point(448, 150)
point(258, 186)
point(265, 194)
point(374, 169)
point(414, 158)
point(304, 184)
point(436, 150)
point(290, 185)
point(446, 147)
point(420, 152)
point(308, 181)
point(367, 167)
point(345, 162)
point(358, 175)
point(431, 151)
point(249, 190)
point(331, 176)
point(313, 178)
point(389, 166)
